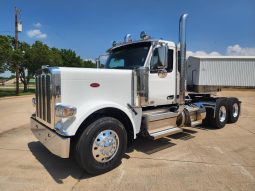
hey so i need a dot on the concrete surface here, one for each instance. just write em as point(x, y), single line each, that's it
point(198, 159)
point(15, 111)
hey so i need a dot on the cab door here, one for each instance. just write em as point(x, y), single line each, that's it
point(162, 78)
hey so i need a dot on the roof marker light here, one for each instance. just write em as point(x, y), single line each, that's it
point(114, 43)
point(144, 36)
point(128, 38)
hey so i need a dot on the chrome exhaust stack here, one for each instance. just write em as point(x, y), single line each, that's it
point(182, 44)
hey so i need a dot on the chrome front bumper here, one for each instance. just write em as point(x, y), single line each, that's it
point(55, 143)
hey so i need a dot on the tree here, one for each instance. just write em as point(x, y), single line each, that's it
point(88, 64)
point(10, 58)
point(30, 59)
point(25, 65)
point(70, 59)
point(5, 52)
point(40, 54)
point(55, 57)
point(34, 58)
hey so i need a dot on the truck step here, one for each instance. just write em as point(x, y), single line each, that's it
point(159, 114)
point(160, 123)
point(163, 133)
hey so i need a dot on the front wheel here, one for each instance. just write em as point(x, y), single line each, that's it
point(101, 145)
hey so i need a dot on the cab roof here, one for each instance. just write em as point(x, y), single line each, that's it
point(118, 45)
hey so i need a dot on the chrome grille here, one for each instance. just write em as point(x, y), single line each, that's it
point(47, 94)
point(43, 98)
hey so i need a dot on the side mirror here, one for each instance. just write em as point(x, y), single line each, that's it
point(162, 56)
point(101, 60)
point(97, 63)
point(159, 61)
point(162, 52)
point(159, 58)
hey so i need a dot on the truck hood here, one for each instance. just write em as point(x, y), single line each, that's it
point(68, 73)
point(77, 86)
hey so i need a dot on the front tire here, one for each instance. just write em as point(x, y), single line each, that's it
point(101, 145)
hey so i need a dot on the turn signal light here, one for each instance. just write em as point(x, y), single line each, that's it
point(34, 101)
point(63, 111)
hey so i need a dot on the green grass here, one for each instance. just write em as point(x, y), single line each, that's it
point(31, 85)
point(5, 92)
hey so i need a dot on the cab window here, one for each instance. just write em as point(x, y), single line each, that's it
point(170, 60)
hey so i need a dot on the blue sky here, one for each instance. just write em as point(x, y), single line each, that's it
point(89, 27)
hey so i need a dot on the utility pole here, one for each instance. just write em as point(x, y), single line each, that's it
point(17, 13)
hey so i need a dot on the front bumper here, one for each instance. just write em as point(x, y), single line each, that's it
point(55, 143)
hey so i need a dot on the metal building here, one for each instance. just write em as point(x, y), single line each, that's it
point(214, 72)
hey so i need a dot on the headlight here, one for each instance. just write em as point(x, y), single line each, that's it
point(63, 111)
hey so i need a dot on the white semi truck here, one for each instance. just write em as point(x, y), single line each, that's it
point(94, 114)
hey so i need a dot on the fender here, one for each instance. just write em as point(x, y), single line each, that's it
point(70, 125)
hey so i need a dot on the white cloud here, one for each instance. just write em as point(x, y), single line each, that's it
point(37, 25)
point(202, 53)
point(90, 59)
point(36, 33)
point(237, 50)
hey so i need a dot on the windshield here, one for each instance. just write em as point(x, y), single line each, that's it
point(128, 57)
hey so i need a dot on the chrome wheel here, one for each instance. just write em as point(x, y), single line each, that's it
point(235, 110)
point(222, 113)
point(105, 146)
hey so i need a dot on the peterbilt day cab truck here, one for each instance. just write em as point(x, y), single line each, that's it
point(94, 114)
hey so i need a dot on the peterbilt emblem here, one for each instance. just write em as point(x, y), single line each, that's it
point(94, 85)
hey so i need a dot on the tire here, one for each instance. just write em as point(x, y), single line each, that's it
point(209, 117)
point(101, 146)
point(233, 109)
point(221, 114)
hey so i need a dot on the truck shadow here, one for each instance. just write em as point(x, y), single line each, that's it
point(58, 168)
point(149, 147)
point(205, 128)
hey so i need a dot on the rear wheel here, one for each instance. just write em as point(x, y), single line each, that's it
point(101, 145)
point(221, 114)
point(233, 110)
